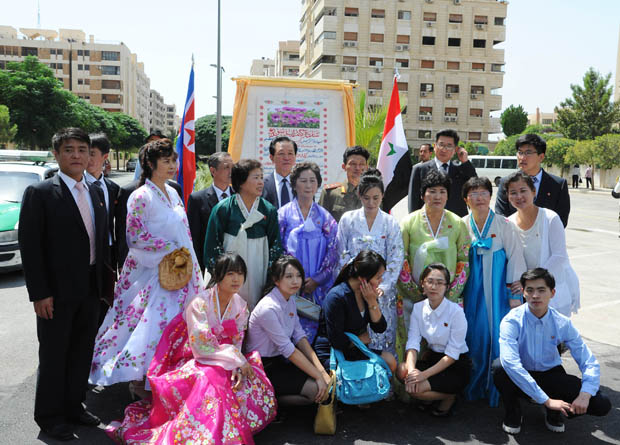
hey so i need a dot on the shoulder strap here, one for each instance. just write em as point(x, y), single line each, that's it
point(361, 346)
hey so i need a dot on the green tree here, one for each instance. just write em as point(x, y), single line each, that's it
point(513, 120)
point(7, 130)
point(590, 111)
point(38, 104)
point(556, 151)
point(369, 124)
point(130, 132)
point(506, 147)
point(206, 127)
point(607, 151)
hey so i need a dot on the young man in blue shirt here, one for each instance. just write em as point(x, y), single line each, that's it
point(531, 366)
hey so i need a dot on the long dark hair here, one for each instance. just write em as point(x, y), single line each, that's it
point(365, 265)
point(150, 153)
point(277, 271)
point(227, 262)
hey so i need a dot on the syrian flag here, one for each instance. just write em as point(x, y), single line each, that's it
point(394, 144)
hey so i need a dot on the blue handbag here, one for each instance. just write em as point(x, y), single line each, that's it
point(360, 381)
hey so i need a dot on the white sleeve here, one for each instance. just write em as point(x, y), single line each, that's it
point(557, 244)
point(456, 341)
point(414, 335)
point(514, 252)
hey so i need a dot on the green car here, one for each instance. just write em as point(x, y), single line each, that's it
point(14, 178)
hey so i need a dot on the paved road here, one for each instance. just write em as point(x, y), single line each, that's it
point(593, 245)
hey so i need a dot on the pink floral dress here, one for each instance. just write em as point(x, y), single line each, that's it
point(190, 376)
point(131, 330)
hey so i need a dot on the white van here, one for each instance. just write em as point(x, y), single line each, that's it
point(494, 167)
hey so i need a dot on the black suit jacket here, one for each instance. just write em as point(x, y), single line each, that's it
point(269, 191)
point(199, 206)
point(121, 217)
point(552, 195)
point(459, 174)
point(54, 244)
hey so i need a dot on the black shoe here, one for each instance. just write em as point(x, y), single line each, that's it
point(86, 418)
point(554, 422)
point(512, 421)
point(61, 432)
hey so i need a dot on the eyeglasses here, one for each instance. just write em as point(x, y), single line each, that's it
point(527, 153)
point(432, 283)
point(482, 194)
point(444, 146)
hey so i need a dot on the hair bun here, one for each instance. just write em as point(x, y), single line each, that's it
point(372, 172)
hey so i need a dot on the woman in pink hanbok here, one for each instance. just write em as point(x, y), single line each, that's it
point(205, 391)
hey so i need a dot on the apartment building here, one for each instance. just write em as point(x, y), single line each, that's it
point(541, 118)
point(287, 59)
point(263, 67)
point(173, 121)
point(444, 50)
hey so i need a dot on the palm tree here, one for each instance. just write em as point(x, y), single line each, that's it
point(369, 123)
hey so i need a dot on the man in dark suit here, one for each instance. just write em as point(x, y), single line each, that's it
point(551, 190)
point(200, 203)
point(277, 189)
point(64, 242)
point(446, 143)
point(120, 217)
point(398, 188)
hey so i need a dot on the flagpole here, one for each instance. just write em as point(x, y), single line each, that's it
point(218, 117)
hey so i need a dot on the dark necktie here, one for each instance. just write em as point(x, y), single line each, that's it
point(445, 167)
point(224, 196)
point(284, 197)
point(534, 179)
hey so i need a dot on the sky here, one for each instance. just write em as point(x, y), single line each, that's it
point(549, 43)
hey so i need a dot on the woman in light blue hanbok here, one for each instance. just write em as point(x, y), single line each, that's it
point(496, 263)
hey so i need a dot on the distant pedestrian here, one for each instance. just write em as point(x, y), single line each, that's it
point(576, 174)
point(588, 176)
point(616, 194)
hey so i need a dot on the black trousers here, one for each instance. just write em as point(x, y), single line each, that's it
point(555, 382)
point(66, 345)
point(575, 181)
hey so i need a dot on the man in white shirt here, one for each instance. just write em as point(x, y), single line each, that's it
point(277, 189)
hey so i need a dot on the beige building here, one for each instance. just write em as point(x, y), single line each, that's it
point(107, 75)
point(540, 118)
point(157, 112)
point(445, 51)
point(263, 67)
point(173, 121)
point(287, 59)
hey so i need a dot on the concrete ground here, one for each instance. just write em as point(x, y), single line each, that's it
point(594, 247)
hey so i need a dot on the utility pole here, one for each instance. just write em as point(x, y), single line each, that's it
point(218, 138)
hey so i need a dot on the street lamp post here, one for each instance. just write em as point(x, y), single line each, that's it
point(218, 138)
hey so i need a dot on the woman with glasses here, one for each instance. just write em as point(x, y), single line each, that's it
point(542, 236)
point(430, 235)
point(496, 263)
point(442, 370)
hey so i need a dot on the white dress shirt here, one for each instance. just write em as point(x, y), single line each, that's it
point(70, 183)
point(279, 187)
point(440, 165)
point(444, 328)
point(538, 177)
point(219, 192)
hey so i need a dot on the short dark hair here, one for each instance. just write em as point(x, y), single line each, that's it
point(240, 172)
point(535, 274)
point(532, 139)
point(436, 266)
point(435, 178)
point(301, 167)
point(476, 182)
point(227, 262)
point(448, 132)
point(272, 145)
point(430, 146)
point(151, 152)
point(155, 134)
point(365, 265)
point(355, 150)
point(64, 134)
point(101, 142)
point(214, 160)
point(279, 267)
point(519, 176)
point(369, 179)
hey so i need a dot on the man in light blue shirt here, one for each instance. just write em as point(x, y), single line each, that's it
point(531, 366)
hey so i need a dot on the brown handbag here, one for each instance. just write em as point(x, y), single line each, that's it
point(175, 269)
point(325, 420)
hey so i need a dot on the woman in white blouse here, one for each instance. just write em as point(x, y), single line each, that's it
point(544, 242)
point(443, 369)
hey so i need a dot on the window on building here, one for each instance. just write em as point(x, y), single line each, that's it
point(453, 41)
point(451, 112)
point(351, 36)
point(80, 67)
point(474, 136)
point(547, 121)
point(87, 81)
point(477, 66)
point(28, 51)
point(53, 51)
point(428, 40)
point(375, 61)
point(351, 12)
point(427, 64)
point(452, 89)
point(80, 81)
point(428, 87)
point(481, 20)
point(80, 52)
point(110, 55)
point(293, 57)
point(375, 85)
point(87, 67)
point(59, 52)
point(110, 70)
point(325, 11)
point(377, 13)
point(426, 111)
point(87, 53)
point(424, 134)
point(349, 60)
point(455, 18)
point(402, 38)
point(500, 21)
point(480, 43)
point(475, 112)
point(453, 65)
point(402, 63)
point(497, 67)
point(404, 15)
point(430, 16)
point(376, 37)
point(329, 35)
point(477, 89)
point(403, 86)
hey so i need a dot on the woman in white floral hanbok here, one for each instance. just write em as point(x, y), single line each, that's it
point(156, 225)
point(370, 228)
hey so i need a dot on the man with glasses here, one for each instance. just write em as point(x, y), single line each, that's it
point(551, 190)
point(446, 144)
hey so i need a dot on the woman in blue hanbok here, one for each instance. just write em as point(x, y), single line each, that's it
point(496, 263)
point(308, 233)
